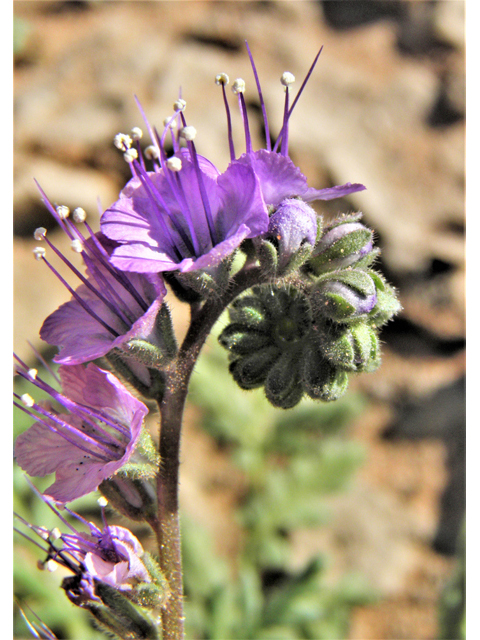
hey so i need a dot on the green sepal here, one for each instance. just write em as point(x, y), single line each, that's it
point(180, 290)
point(339, 251)
point(125, 366)
point(250, 371)
point(340, 295)
point(133, 497)
point(120, 616)
point(151, 595)
point(240, 340)
point(321, 380)
point(267, 254)
point(283, 388)
point(161, 347)
point(388, 304)
point(368, 260)
point(248, 310)
point(200, 282)
point(355, 348)
point(297, 260)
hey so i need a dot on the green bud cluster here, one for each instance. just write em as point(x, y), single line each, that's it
point(307, 335)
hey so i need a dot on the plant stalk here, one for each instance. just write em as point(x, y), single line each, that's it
point(172, 405)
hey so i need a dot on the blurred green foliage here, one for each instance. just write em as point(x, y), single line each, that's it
point(291, 460)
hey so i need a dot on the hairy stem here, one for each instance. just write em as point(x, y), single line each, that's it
point(172, 408)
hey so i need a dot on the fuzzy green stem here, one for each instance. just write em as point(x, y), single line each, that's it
point(172, 405)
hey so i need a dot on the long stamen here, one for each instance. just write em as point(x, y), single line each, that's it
point(105, 440)
point(188, 133)
point(87, 412)
point(113, 308)
point(287, 79)
point(262, 102)
point(222, 79)
point(68, 429)
point(157, 201)
point(99, 254)
point(238, 88)
point(60, 219)
point(298, 96)
point(82, 303)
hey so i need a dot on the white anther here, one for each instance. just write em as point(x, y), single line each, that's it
point(222, 78)
point(151, 152)
point(43, 532)
point(51, 565)
point(55, 534)
point(122, 141)
point(136, 133)
point(32, 374)
point(174, 163)
point(179, 105)
point(130, 155)
point(39, 253)
point(102, 501)
point(39, 234)
point(168, 122)
point(238, 86)
point(79, 215)
point(188, 133)
point(27, 400)
point(287, 79)
point(76, 245)
point(63, 211)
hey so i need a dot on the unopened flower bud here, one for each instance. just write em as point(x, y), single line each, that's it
point(343, 244)
point(387, 304)
point(293, 230)
point(344, 295)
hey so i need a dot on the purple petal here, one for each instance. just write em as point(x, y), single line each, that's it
point(332, 192)
point(279, 178)
point(82, 338)
point(40, 451)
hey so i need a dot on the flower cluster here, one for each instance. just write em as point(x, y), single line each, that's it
point(305, 308)
point(182, 219)
point(307, 336)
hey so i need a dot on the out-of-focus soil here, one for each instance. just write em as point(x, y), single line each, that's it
point(384, 107)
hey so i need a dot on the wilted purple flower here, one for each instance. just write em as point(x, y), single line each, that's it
point(108, 309)
point(91, 442)
point(185, 215)
point(112, 555)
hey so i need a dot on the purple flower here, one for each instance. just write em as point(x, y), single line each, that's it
point(108, 309)
point(279, 177)
point(185, 215)
point(112, 555)
point(90, 442)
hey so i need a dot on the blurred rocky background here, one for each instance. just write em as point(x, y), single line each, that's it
point(384, 107)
